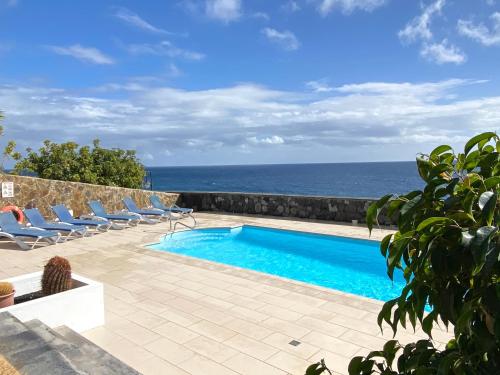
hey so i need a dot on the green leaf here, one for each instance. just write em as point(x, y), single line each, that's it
point(439, 150)
point(433, 221)
point(478, 138)
point(428, 322)
point(374, 210)
point(492, 182)
point(317, 368)
point(487, 204)
point(423, 167)
point(384, 244)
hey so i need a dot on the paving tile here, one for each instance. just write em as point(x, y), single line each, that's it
point(212, 330)
point(252, 330)
point(152, 306)
point(288, 328)
point(136, 333)
point(251, 347)
point(335, 362)
point(175, 332)
point(158, 366)
point(246, 365)
point(330, 343)
point(356, 324)
point(213, 316)
point(215, 303)
point(248, 314)
point(145, 318)
point(211, 349)
point(199, 365)
point(185, 305)
point(282, 301)
point(321, 326)
point(282, 342)
point(118, 346)
point(179, 317)
point(363, 339)
point(350, 312)
point(289, 363)
point(280, 313)
point(169, 350)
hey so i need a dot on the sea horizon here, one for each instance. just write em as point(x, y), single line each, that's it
point(351, 179)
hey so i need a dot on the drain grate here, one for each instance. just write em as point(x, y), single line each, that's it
point(294, 343)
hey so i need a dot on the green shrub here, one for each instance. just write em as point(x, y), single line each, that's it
point(70, 162)
point(447, 247)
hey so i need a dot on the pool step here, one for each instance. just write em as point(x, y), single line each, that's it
point(35, 349)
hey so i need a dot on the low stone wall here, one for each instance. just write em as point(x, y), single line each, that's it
point(308, 207)
point(44, 193)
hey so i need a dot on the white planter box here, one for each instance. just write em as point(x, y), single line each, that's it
point(80, 308)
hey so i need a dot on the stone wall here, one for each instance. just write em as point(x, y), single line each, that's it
point(44, 193)
point(308, 207)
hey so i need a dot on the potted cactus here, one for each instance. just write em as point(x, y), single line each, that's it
point(56, 276)
point(6, 294)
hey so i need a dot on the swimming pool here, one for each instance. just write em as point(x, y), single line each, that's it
point(346, 264)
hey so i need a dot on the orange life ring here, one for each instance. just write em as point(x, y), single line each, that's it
point(18, 213)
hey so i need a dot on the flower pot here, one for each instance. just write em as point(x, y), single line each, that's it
point(7, 300)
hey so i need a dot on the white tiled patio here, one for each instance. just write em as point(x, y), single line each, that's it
point(170, 314)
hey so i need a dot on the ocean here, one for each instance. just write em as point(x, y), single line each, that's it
point(366, 180)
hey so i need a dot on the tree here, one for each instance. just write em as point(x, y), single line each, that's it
point(447, 246)
point(70, 162)
point(9, 150)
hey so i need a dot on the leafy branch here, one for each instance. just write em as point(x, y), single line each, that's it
point(447, 247)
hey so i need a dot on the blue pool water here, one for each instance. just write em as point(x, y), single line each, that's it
point(346, 264)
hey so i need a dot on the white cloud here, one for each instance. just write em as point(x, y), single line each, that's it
point(216, 124)
point(173, 71)
point(348, 6)
point(319, 86)
point(419, 30)
point(480, 32)
point(442, 53)
point(136, 21)
point(86, 54)
point(419, 27)
point(272, 140)
point(261, 15)
point(164, 48)
point(223, 10)
point(291, 6)
point(286, 39)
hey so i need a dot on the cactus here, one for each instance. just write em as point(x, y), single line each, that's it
point(56, 276)
point(6, 288)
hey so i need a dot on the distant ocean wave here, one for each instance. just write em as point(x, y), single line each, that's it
point(369, 180)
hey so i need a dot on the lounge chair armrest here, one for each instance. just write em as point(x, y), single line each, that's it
point(135, 214)
point(38, 228)
point(93, 217)
point(63, 222)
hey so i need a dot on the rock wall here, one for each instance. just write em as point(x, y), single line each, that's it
point(44, 193)
point(308, 207)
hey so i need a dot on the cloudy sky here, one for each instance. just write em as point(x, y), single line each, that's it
point(195, 82)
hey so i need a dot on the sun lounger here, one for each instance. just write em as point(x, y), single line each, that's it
point(100, 212)
point(16, 232)
point(37, 220)
point(64, 216)
point(157, 203)
point(155, 212)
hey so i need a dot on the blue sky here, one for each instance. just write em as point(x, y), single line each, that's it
point(240, 81)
